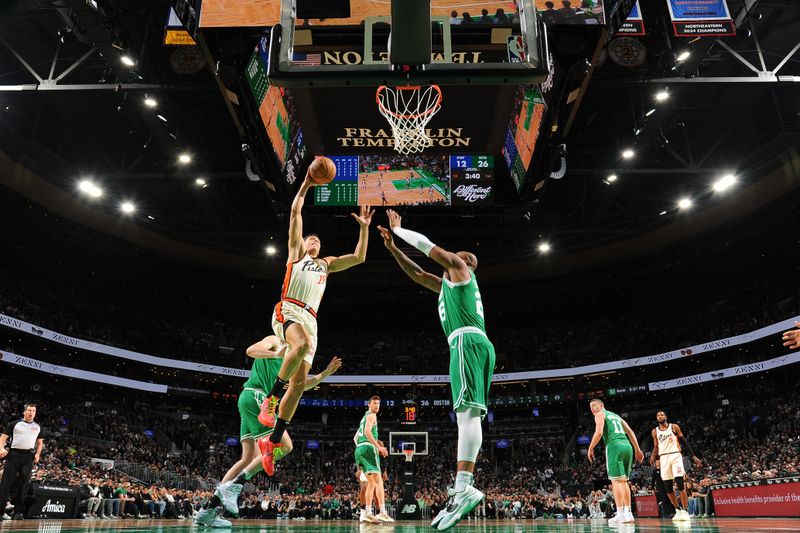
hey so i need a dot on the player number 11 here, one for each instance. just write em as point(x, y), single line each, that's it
point(617, 426)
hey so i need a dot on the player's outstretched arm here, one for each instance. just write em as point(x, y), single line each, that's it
point(599, 424)
point(412, 270)
point(791, 338)
point(333, 366)
point(634, 442)
point(456, 268)
point(296, 246)
point(343, 262)
point(267, 348)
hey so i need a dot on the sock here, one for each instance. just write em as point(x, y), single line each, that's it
point(213, 503)
point(279, 453)
point(463, 478)
point(383, 509)
point(369, 509)
point(277, 433)
point(626, 509)
point(277, 388)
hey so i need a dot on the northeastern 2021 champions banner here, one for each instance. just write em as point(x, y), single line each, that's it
point(695, 18)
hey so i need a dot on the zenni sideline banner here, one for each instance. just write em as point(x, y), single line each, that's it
point(697, 18)
point(634, 24)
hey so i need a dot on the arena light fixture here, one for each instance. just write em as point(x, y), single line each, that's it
point(127, 207)
point(185, 158)
point(662, 213)
point(544, 247)
point(162, 117)
point(662, 95)
point(271, 250)
point(685, 203)
point(200, 182)
point(627, 153)
point(127, 60)
point(724, 182)
point(149, 101)
point(90, 189)
point(650, 113)
point(611, 178)
point(684, 55)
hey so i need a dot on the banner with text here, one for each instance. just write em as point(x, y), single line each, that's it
point(771, 498)
point(674, 355)
point(634, 24)
point(732, 372)
point(697, 18)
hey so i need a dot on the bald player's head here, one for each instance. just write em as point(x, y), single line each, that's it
point(470, 259)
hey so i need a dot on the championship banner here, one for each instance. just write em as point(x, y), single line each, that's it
point(697, 18)
point(774, 497)
point(645, 360)
point(634, 24)
point(732, 372)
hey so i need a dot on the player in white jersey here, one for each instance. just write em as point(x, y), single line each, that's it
point(295, 317)
point(668, 458)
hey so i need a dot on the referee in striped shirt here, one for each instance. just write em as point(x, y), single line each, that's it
point(25, 450)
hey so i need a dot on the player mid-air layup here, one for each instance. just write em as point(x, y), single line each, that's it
point(294, 320)
point(472, 355)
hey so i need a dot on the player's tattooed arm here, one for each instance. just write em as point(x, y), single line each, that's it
point(682, 439)
point(333, 366)
point(411, 269)
point(343, 262)
point(296, 246)
point(654, 455)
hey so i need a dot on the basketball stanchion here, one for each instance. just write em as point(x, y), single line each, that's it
point(409, 508)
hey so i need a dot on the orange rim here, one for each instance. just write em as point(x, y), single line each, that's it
point(429, 111)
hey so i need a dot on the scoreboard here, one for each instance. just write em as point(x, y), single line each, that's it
point(409, 412)
point(343, 190)
point(472, 179)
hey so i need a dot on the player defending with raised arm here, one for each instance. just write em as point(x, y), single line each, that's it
point(268, 357)
point(667, 450)
point(618, 438)
point(294, 320)
point(367, 455)
point(472, 355)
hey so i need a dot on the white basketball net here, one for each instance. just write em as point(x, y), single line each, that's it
point(408, 110)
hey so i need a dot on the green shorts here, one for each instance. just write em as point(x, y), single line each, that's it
point(368, 459)
point(250, 401)
point(471, 367)
point(619, 458)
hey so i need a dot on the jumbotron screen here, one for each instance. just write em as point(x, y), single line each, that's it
point(409, 180)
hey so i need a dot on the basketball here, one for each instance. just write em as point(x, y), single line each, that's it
point(322, 170)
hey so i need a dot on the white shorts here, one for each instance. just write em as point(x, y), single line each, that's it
point(672, 466)
point(289, 312)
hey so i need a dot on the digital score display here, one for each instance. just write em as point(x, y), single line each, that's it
point(472, 179)
point(343, 190)
point(410, 413)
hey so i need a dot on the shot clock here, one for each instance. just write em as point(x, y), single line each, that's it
point(409, 412)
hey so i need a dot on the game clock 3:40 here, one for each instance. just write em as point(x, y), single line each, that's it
point(409, 416)
point(472, 179)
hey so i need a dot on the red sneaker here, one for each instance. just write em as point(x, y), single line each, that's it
point(267, 449)
point(268, 409)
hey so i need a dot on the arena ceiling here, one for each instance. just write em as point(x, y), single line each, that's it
point(70, 109)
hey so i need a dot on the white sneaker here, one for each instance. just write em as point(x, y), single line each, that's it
point(616, 519)
point(383, 517)
point(228, 493)
point(628, 518)
point(362, 516)
point(6, 517)
point(371, 518)
point(459, 506)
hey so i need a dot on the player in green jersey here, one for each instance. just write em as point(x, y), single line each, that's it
point(367, 455)
point(268, 357)
point(621, 445)
point(472, 354)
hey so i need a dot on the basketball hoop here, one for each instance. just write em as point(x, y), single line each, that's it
point(409, 455)
point(408, 110)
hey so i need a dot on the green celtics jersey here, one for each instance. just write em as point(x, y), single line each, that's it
point(460, 305)
point(263, 374)
point(360, 435)
point(613, 430)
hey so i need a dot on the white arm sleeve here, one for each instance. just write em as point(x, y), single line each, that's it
point(417, 240)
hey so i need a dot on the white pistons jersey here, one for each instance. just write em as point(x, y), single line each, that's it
point(667, 441)
point(305, 282)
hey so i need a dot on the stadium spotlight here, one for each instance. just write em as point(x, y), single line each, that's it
point(662, 95)
point(271, 250)
point(649, 113)
point(627, 153)
point(724, 182)
point(684, 55)
point(612, 178)
point(544, 247)
point(90, 189)
point(185, 158)
point(162, 117)
point(685, 203)
point(149, 101)
point(200, 182)
point(127, 208)
point(127, 60)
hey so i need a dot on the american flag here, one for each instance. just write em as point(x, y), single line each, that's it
point(307, 60)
